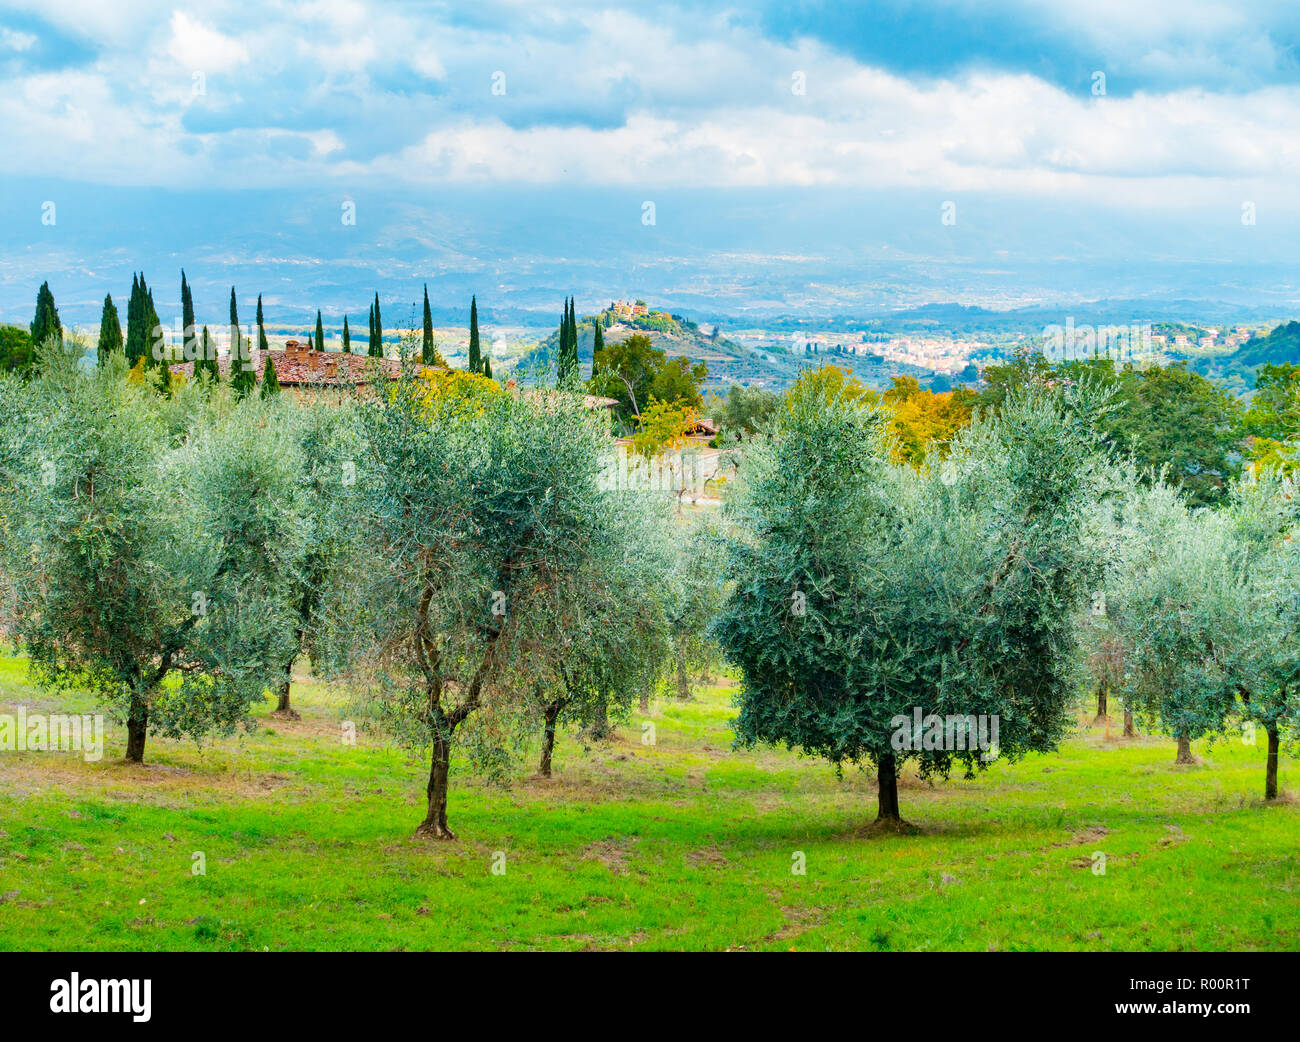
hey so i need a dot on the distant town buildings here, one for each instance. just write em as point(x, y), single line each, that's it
point(623, 309)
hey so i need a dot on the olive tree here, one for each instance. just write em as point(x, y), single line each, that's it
point(1181, 606)
point(693, 594)
point(483, 516)
point(611, 642)
point(327, 436)
point(1263, 510)
point(156, 533)
point(880, 615)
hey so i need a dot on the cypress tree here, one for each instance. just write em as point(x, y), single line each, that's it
point(189, 335)
point(110, 331)
point(46, 321)
point(320, 332)
point(153, 330)
point(243, 378)
point(311, 346)
point(142, 324)
point(377, 332)
point(206, 362)
point(475, 359)
point(597, 345)
point(270, 381)
point(487, 367)
point(573, 336)
point(236, 341)
point(567, 354)
point(347, 337)
point(134, 341)
point(562, 349)
point(262, 345)
point(428, 353)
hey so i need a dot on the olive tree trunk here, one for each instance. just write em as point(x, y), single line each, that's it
point(683, 674)
point(282, 696)
point(598, 729)
point(1184, 750)
point(1129, 730)
point(435, 821)
point(137, 727)
point(550, 715)
point(1270, 775)
point(887, 780)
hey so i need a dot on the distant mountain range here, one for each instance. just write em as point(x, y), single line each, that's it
point(735, 257)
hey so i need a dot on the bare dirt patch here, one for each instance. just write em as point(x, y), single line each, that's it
point(612, 855)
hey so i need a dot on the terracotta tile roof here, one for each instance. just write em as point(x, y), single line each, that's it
point(297, 367)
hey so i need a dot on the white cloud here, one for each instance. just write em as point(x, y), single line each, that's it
point(196, 46)
point(11, 40)
point(705, 103)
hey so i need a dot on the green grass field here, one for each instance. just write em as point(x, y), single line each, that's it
point(684, 844)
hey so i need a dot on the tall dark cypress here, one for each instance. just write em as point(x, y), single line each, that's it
point(45, 323)
point(110, 331)
point(320, 332)
point(475, 357)
point(597, 346)
point(262, 345)
point(235, 339)
point(133, 344)
point(153, 327)
point(573, 334)
point(377, 332)
point(141, 324)
point(243, 377)
point(562, 349)
point(347, 337)
point(567, 355)
point(189, 335)
point(270, 380)
point(428, 353)
point(206, 362)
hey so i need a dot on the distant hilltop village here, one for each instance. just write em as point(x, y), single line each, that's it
point(622, 309)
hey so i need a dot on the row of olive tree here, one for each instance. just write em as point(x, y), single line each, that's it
point(152, 544)
point(1201, 613)
point(870, 600)
point(451, 551)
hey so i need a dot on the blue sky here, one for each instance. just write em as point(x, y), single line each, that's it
point(1111, 112)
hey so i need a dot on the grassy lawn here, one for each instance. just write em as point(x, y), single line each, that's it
point(683, 844)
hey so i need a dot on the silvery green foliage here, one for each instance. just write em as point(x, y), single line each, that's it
point(1263, 511)
point(1182, 604)
point(331, 449)
point(953, 591)
point(693, 591)
point(155, 534)
point(611, 640)
point(495, 561)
